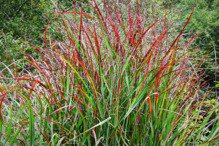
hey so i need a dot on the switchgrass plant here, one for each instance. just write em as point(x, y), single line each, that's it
point(113, 78)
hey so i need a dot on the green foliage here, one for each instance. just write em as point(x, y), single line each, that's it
point(217, 84)
point(12, 51)
point(24, 18)
point(22, 23)
point(205, 21)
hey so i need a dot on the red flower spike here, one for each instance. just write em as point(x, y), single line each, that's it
point(138, 119)
point(150, 106)
point(156, 97)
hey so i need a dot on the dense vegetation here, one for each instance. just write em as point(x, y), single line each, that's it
point(118, 73)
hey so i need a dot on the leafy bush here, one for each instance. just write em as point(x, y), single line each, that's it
point(10, 47)
point(21, 25)
point(112, 79)
point(205, 21)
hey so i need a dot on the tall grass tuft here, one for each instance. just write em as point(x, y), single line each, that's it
point(114, 77)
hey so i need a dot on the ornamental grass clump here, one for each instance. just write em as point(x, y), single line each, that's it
point(114, 77)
